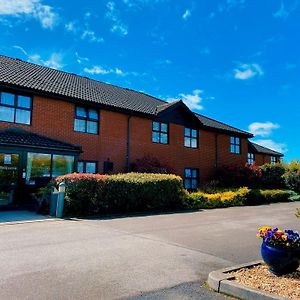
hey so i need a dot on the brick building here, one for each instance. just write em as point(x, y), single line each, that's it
point(53, 122)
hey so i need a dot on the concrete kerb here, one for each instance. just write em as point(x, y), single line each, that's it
point(222, 282)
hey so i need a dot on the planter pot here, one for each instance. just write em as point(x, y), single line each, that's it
point(280, 261)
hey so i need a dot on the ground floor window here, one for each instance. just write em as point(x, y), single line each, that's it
point(250, 158)
point(191, 180)
point(42, 166)
point(87, 167)
point(273, 160)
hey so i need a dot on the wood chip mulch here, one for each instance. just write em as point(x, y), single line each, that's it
point(260, 278)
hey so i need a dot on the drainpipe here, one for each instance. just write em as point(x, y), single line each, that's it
point(128, 144)
point(217, 150)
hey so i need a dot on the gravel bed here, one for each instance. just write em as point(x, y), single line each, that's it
point(260, 278)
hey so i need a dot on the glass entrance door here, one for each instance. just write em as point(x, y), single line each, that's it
point(9, 174)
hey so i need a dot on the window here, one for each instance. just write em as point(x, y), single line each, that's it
point(190, 138)
point(235, 145)
point(86, 120)
point(15, 108)
point(250, 158)
point(87, 167)
point(191, 180)
point(41, 167)
point(273, 159)
point(160, 133)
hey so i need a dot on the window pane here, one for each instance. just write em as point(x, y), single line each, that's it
point(81, 112)
point(232, 148)
point(164, 127)
point(194, 133)
point(93, 114)
point(232, 140)
point(80, 168)
point(187, 142)
point(155, 137)
point(155, 126)
point(194, 143)
point(23, 116)
point(194, 183)
point(8, 99)
point(7, 114)
point(164, 138)
point(187, 183)
point(90, 167)
point(187, 131)
point(79, 125)
point(62, 164)
point(194, 173)
point(24, 102)
point(92, 127)
point(237, 149)
point(38, 167)
point(188, 173)
point(238, 141)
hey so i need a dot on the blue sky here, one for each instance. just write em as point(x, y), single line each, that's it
point(233, 60)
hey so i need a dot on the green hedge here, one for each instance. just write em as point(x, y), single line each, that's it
point(237, 197)
point(92, 194)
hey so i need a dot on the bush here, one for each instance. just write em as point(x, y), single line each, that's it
point(292, 176)
point(141, 191)
point(91, 194)
point(150, 164)
point(84, 193)
point(271, 176)
point(200, 200)
point(238, 176)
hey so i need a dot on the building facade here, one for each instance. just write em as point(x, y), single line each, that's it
point(53, 123)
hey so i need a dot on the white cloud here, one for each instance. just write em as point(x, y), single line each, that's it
point(263, 129)
point(193, 100)
point(80, 59)
point(32, 8)
point(281, 13)
point(279, 147)
point(99, 70)
point(114, 15)
point(70, 26)
point(247, 71)
point(54, 61)
point(186, 14)
point(91, 36)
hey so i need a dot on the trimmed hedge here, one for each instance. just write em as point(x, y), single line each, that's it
point(92, 194)
point(238, 197)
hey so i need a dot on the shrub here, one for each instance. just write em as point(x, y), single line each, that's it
point(200, 200)
point(292, 176)
point(84, 193)
point(272, 196)
point(238, 176)
point(141, 191)
point(271, 176)
point(150, 164)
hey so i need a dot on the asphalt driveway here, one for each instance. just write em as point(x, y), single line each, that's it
point(149, 257)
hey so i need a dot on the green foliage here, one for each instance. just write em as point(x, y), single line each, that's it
point(271, 176)
point(292, 176)
point(91, 194)
point(200, 200)
point(84, 193)
point(235, 197)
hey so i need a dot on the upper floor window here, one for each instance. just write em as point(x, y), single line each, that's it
point(191, 180)
point(190, 138)
point(15, 108)
point(251, 158)
point(87, 167)
point(86, 120)
point(273, 160)
point(160, 133)
point(235, 145)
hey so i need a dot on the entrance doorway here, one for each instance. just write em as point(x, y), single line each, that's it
point(9, 177)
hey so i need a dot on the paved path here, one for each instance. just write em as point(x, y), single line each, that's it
point(149, 257)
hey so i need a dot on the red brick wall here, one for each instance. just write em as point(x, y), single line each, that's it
point(55, 118)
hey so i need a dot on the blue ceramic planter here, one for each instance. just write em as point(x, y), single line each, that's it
point(280, 261)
